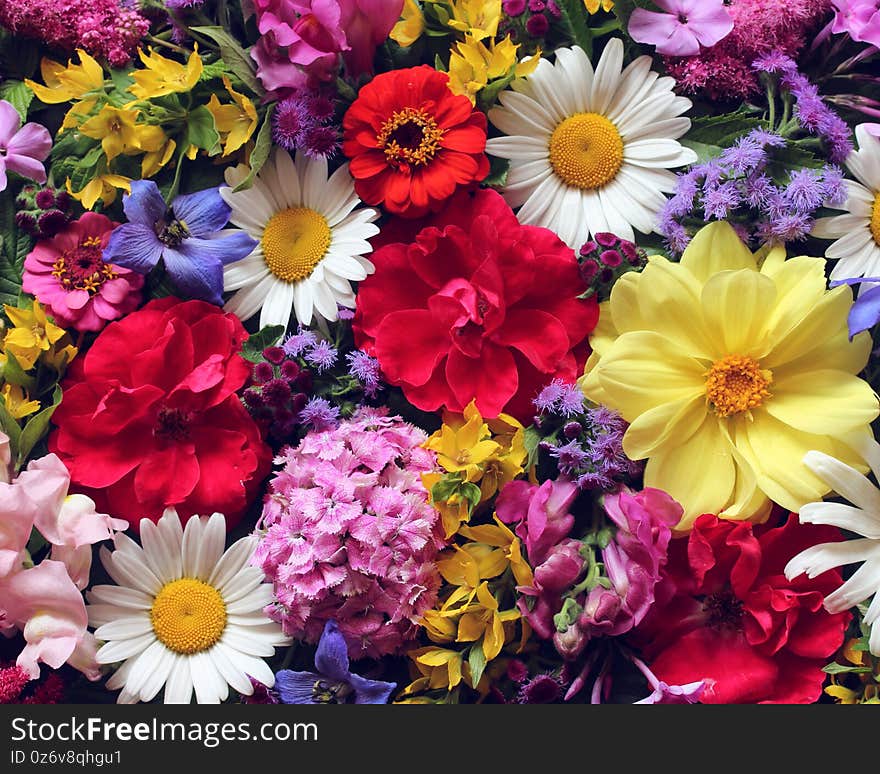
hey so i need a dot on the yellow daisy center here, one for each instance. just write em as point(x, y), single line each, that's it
point(586, 150)
point(188, 616)
point(410, 136)
point(294, 242)
point(875, 220)
point(736, 383)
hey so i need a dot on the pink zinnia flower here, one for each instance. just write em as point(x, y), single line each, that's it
point(686, 25)
point(67, 274)
point(23, 149)
point(348, 535)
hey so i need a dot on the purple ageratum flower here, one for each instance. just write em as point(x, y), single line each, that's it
point(366, 370)
point(548, 399)
point(319, 414)
point(720, 200)
point(333, 682)
point(23, 149)
point(806, 190)
point(685, 26)
point(569, 456)
point(300, 341)
point(189, 237)
point(322, 355)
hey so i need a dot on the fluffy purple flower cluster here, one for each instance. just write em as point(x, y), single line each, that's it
point(304, 121)
point(347, 534)
point(42, 211)
point(536, 14)
point(738, 187)
point(604, 260)
point(810, 111)
point(366, 370)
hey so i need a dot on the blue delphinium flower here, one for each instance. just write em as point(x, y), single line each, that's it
point(865, 312)
point(189, 237)
point(333, 682)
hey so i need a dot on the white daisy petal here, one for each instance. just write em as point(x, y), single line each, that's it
point(303, 302)
point(132, 599)
point(125, 628)
point(247, 301)
point(119, 650)
point(189, 549)
point(179, 687)
point(252, 666)
point(278, 305)
point(143, 666)
point(210, 688)
point(225, 662)
point(607, 76)
point(247, 271)
point(158, 676)
point(232, 562)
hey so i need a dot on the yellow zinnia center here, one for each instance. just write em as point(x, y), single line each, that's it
point(586, 150)
point(875, 220)
point(294, 242)
point(188, 616)
point(410, 137)
point(736, 383)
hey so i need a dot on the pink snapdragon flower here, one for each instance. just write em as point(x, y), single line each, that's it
point(860, 19)
point(5, 459)
point(348, 534)
point(44, 601)
point(23, 149)
point(685, 26)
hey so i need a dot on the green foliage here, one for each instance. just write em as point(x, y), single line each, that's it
point(18, 95)
point(498, 171)
point(36, 428)
point(15, 247)
point(262, 146)
point(266, 337)
point(236, 58)
point(201, 131)
point(574, 15)
point(476, 661)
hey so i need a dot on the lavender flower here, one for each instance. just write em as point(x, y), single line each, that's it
point(366, 370)
point(321, 355)
point(319, 414)
point(298, 342)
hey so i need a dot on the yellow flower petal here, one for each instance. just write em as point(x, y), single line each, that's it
point(744, 296)
point(715, 248)
point(670, 424)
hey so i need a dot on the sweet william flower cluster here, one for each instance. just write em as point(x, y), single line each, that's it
point(474, 351)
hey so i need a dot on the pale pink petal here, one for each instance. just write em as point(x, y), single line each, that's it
point(17, 514)
point(31, 140)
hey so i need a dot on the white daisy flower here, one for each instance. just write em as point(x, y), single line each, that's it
point(863, 518)
point(184, 615)
point(590, 151)
point(857, 234)
point(311, 240)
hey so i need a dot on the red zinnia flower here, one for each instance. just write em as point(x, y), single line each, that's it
point(477, 307)
point(150, 417)
point(726, 613)
point(411, 141)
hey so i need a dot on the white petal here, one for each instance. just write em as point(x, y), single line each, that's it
point(248, 642)
point(247, 302)
point(130, 599)
point(837, 226)
point(143, 666)
point(848, 483)
point(635, 83)
point(163, 562)
point(252, 666)
point(303, 302)
point(132, 571)
point(247, 271)
point(325, 302)
point(179, 687)
point(278, 306)
point(819, 558)
point(576, 77)
point(119, 650)
point(211, 547)
point(247, 579)
point(314, 181)
point(158, 676)
point(232, 562)
point(288, 180)
point(254, 600)
point(189, 550)
point(862, 584)
point(125, 628)
point(209, 686)
point(522, 115)
point(225, 660)
point(607, 76)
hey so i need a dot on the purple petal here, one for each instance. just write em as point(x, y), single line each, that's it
point(10, 120)
point(710, 28)
point(203, 212)
point(134, 246)
point(865, 312)
point(144, 204)
point(331, 658)
point(296, 687)
point(690, 693)
point(31, 140)
point(370, 691)
point(852, 281)
point(664, 31)
point(26, 167)
point(194, 275)
point(225, 246)
point(2, 174)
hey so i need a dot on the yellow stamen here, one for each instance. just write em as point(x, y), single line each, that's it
point(188, 616)
point(410, 136)
point(875, 220)
point(294, 242)
point(736, 383)
point(586, 150)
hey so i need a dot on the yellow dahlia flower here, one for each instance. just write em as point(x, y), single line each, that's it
point(729, 370)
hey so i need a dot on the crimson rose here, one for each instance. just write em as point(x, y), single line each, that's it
point(150, 417)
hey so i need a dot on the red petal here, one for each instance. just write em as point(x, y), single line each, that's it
point(538, 335)
point(409, 345)
point(491, 380)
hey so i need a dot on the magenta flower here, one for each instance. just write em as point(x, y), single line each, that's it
point(860, 19)
point(686, 25)
point(23, 149)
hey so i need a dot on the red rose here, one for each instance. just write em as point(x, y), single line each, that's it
point(412, 141)
point(150, 417)
point(726, 612)
point(478, 306)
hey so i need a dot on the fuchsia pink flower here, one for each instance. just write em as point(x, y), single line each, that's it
point(23, 149)
point(349, 535)
point(685, 26)
point(860, 19)
point(44, 601)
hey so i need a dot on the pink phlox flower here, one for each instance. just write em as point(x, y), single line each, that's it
point(23, 149)
point(685, 26)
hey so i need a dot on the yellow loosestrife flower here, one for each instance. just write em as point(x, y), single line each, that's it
point(165, 76)
point(101, 187)
point(453, 512)
point(593, 6)
point(69, 83)
point(31, 336)
point(472, 65)
point(119, 132)
point(411, 25)
point(17, 403)
point(464, 448)
point(153, 161)
point(728, 372)
point(477, 18)
point(235, 121)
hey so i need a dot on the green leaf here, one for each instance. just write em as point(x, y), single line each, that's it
point(471, 493)
point(531, 439)
point(19, 95)
point(722, 130)
point(574, 14)
point(121, 80)
point(214, 70)
point(14, 247)
point(262, 146)
point(11, 428)
point(236, 58)
point(837, 669)
point(477, 661)
point(445, 488)
point(201, 130)
point(487, 96)
point(37, 427)
point(253, 348)
point(498, 169)
point(13, 373)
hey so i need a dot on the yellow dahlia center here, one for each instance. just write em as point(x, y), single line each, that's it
point(586, 150)
point(410, 137)
point(736, 383)
point(294, 242)
point(188, 616)
point(875, 220)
